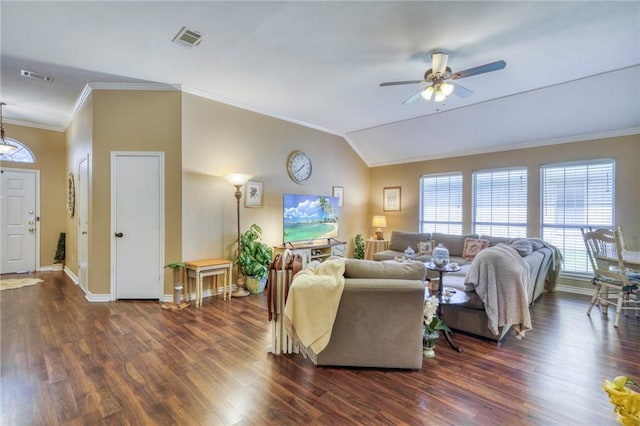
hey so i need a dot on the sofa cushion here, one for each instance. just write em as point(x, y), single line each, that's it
point(472, 246)
point(401, 240)
point(358, 268)
point(523, 246)
point(454, 243)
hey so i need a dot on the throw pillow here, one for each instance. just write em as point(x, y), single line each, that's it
point(472, 246)
point(425, 247)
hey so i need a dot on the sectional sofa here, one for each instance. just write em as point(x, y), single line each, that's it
point(543, 262)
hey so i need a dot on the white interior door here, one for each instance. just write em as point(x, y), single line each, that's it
point(18, 211)
point(137, 225)
point(83, 222)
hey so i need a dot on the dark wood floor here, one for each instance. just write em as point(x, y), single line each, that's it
point(68, 361)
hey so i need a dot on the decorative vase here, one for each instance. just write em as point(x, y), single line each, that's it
point(440, 255)
point(429, 341)
point(255, 285)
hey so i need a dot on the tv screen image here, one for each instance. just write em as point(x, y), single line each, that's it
point(309, 217)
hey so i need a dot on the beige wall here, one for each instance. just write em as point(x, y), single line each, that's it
point(133, 121)
point(49, 149)
point(219, 139)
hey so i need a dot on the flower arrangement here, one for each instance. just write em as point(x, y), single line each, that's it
point(432, 323)
point(626, 402)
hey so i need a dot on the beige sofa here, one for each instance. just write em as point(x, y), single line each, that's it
point(380, 316)
point(543, 261)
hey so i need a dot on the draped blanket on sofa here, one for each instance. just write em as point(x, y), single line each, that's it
point(500, 277)
point(312, 304)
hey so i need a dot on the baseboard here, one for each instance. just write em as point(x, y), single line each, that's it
point(205, 293)
point(71, 275)
point(97, 297)
point(47, 268)
point(574, 289)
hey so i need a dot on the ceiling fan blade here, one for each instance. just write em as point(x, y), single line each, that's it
point(493, 66)
point(413, 97)
point(461, 91)
point(396, 83)
point(439, 62)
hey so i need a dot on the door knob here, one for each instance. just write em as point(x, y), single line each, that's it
point(118, 234)
point(84, 232)
point(31, 230)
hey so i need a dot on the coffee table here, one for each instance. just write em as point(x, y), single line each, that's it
point(444, 299)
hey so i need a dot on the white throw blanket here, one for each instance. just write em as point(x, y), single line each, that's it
point(312, 305)
point(500, 277)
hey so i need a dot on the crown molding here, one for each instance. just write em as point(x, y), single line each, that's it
point(253, 108)
point(90, 87)
point(522, 145)
point(34, 125)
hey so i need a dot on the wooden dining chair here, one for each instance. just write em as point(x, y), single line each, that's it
point(613, 282)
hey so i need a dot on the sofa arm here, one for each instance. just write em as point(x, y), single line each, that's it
point(378, 324)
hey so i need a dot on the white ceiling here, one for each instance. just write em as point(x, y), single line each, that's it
point(573, 68)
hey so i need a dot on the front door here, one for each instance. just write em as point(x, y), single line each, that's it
point(137, 213)
point(19, 214)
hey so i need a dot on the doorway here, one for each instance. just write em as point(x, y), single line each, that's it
point(83, 223)
point(19, 216)
point(137, 225)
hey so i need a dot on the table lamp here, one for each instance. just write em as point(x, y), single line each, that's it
point(379, 222)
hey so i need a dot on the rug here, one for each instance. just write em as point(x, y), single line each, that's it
point(12, 283)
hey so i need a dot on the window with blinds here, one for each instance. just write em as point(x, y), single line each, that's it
point(441, 203)
point(500, 202)
point(574, 196)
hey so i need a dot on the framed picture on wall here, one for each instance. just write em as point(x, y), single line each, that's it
point(253, 194)
point(338, 191)
point(391, 198)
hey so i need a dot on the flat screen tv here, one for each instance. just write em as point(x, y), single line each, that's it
point(309, 217)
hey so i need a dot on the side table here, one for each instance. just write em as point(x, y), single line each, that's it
point(441, 270)
point(198, 269)
point(374, 246)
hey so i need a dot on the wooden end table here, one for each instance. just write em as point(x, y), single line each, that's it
point(198, 269)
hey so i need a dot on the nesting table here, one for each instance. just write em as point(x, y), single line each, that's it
point(198, 269)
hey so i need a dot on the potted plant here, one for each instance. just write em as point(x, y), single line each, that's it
point(253, 259)
point(58, 259)
point(358, 250)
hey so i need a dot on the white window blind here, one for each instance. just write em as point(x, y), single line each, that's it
point(500, 202)
point(574, 196)
point(441, 203)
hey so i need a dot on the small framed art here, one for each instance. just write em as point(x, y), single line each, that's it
point(338, 191)
point(253, 194)
point(391, 198)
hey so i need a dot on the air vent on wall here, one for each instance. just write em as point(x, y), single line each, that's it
point(187, 37)
point(37, 76)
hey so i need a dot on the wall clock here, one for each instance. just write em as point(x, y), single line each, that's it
point(299, 167)
point(71, 195)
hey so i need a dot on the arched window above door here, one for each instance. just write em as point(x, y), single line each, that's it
point(20, 155)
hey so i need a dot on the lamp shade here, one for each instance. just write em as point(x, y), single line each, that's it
point(237, 178)
point(379, 221)
point(427, 93)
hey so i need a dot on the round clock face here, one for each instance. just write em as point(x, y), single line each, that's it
point(299, 167)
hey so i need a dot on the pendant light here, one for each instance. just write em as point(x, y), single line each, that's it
point(5, 147)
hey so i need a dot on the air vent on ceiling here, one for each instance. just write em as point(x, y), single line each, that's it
point(187, 37)
point(37, 76)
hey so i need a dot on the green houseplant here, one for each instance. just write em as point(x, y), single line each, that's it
point(358, 249)
point(60, 255)
point(253, 259)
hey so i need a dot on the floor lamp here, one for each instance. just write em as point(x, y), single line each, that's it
point(237, 180)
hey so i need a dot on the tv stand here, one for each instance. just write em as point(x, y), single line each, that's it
point(314, 250)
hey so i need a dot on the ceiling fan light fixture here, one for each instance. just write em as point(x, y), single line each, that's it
point(440, 96)
point(427, 93)
point(446, 88)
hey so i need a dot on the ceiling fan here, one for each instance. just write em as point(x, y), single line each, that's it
point(438, 76)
